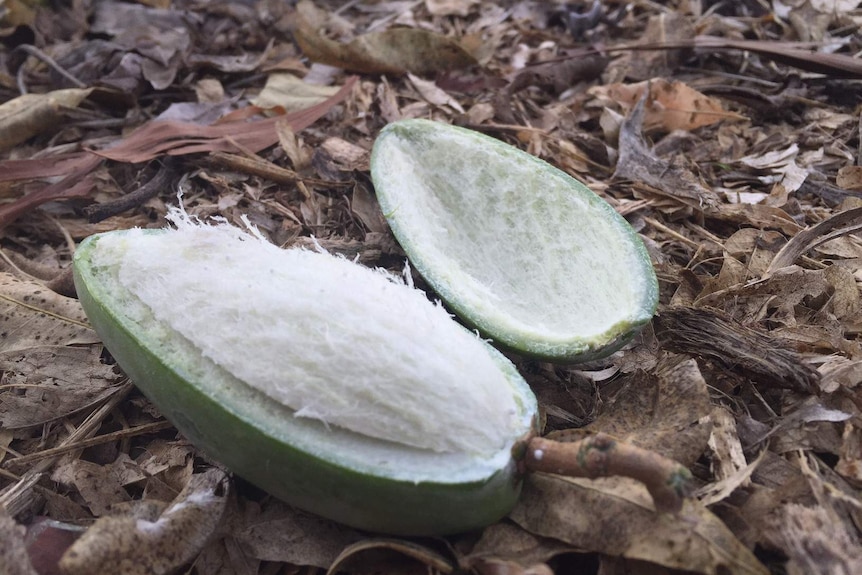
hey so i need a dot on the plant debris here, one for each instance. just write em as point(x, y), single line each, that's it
point(727, 134)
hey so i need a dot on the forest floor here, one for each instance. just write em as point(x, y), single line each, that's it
point(726, 133)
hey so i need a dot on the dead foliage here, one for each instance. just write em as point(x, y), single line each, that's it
point(727, 134)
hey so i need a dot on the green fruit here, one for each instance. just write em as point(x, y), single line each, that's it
point(517, 248)
point(334, 387)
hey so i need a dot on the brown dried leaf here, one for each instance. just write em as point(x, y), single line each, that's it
point(285, 534)
point(728, 457)
point(638, 163)
point(100, 486)
point(816, 541)
point(849, 464)
point(666, 412)
point(136, 546)
point(507, 544)
point(31, 114)
point(14, 559)
point(151, 140)
point(43, 384)
point(668, 106)
point(841, 224)
point(449, 7)
point(615, 517)
point(396, 557)
point(286, 91)
point(394, 51)
point(47, 540)
point(849, 178)
point(35, 316)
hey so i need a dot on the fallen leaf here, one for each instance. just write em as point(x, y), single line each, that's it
point(450, 7)
point(47, 540)
point(30, 114)
point(393, 51)
point(615, 516)
point(432, 94)
point(728, 457)
point(138, 546)
point(638, 163)
point(849, 177)
point(507, 544)
point(14, 559)
point(42, 384)
point(285, 534)
point(35, 316)
point(146, 143)
point(841, 224)
point(393, 556)
point(816, 542)
point(849, 464)
point(668, 106)
point(289, 93)
point(666, 412)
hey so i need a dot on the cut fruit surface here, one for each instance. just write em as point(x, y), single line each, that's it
point(517, 248)
point(335, 387)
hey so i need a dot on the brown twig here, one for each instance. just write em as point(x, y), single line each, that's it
point(602, 456)
point(159, 182)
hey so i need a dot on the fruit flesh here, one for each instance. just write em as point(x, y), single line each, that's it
point(516, 247)
point(358, 480)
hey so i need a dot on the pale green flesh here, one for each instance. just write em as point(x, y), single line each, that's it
point(517, 248)
point(361, 481)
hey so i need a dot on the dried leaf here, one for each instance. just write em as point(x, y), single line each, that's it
point(388, 556)
point(136, 546)
point(816, 542)
point(849, 178)
point(506, 543)
point(46, 383)
point(849, 464)
point(615, 517)
point(285, 534)
point(47, 540)
point(667, 412)
point(289, 93)
point(668, 106)
point(14, 559)
point(449, 7)
point(638, 163)
point(146, 143)
point(394, 51)
point(31, 114)
point(34, 316)
point(841, 224)
point(728, 457)
point(432, 94)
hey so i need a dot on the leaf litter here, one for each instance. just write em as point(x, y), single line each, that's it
point(727, 136)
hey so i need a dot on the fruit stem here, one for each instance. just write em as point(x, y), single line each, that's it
point(601, 455)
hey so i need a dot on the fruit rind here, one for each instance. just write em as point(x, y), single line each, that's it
point(439, 185)
point(244, 430)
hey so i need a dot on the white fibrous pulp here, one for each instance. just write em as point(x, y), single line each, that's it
point(332, 340)
point(507, 239)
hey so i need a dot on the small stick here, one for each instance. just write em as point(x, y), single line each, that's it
point(602, 456)
point(158, 183)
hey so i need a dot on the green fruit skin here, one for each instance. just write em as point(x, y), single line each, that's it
point(574, 351)
point(374, 503)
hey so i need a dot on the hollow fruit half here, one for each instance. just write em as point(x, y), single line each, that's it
point(337, 388)
point(517, 248)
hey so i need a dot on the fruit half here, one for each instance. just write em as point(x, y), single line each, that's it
point(517, 248)
point(337, 388)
